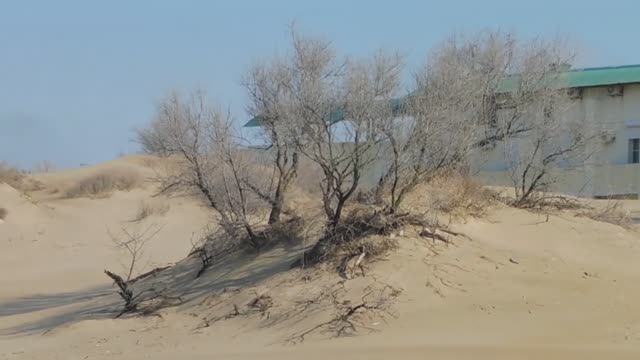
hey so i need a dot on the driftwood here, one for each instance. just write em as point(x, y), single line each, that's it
point(154, 299)
point(125, 293)
point(147, 274)
point(433, 234)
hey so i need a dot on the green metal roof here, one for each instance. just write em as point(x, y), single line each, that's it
point(588, 77)
point(574, 78)
point(255, 122)
point(601, 76)
point(335, 116)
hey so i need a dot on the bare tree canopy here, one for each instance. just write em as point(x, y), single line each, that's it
point(473, 94)
point(210, 162)
point(325, 88)
point(267, 85)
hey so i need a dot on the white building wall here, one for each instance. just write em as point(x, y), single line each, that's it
point(606, 171)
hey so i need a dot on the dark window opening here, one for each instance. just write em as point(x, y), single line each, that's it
point(634, 151)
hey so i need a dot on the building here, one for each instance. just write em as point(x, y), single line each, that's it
point(606, 99)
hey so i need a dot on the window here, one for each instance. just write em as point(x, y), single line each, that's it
point(634, 151)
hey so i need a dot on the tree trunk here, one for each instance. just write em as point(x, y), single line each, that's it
point(276, 208)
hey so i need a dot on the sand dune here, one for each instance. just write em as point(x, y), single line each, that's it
point(520, 286)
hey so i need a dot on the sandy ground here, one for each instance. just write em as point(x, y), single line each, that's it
point(521, 286)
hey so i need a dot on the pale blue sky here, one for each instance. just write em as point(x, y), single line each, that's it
point(77, 76)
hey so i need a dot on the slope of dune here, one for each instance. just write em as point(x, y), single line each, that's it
point(55, 244)
point(517, 285)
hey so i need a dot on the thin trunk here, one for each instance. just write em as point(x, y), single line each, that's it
point(276, 207)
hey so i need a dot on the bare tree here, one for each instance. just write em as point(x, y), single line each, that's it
point(317, 88)
point(325, 91)
point(269, 96)
point(533, 160)
point(474, 94)
point(533, 121)
point(442, 116)
point(210, 162)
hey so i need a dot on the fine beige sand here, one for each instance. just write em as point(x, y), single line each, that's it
point(519, 285)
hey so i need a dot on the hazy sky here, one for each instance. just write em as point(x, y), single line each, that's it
point(77, 76)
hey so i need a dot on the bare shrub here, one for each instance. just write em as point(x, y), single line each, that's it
point(3, 213)
point(366, 229)
point(545, 202)
point(105, 182)
point(612, 212)
point(210, 162)
point(134, 241)
point(150, 208)
point(142, 300)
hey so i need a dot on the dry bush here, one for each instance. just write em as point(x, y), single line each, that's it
point(104, 182)
point(461, 196)
point(148, 208)
point(612, 213)
point(545, 203)
point(143, 301)
point(3, 213)
point(365, 229)
point(286, 232)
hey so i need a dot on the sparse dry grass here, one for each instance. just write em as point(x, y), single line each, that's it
point(18, 180)
point(613, 213)
point(462, 196)
point(104, 182)
point(3, 213)
point(454, 195)
point(149, 208)
point(10, 175)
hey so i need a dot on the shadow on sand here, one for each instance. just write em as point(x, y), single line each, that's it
point(236, 270)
